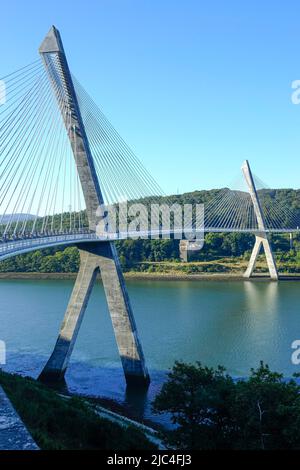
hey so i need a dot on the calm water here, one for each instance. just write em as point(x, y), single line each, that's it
point(230, 323)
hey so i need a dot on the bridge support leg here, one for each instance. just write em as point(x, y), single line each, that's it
point(183, 250)
point(95, 257)
point(262, 240)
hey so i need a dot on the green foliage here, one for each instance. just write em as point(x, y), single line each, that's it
point(196, 397)
point(57, 423)
point(49, 260)
point(266, 411)
point(134, 252)
point(212, 411)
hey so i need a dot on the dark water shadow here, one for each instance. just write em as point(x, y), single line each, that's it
point(106, 385)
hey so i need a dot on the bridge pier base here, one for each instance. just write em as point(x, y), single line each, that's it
point(262, 240)
point(187, 248)
point(94, 258)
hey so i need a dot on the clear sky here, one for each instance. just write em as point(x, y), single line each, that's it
point(194, 87)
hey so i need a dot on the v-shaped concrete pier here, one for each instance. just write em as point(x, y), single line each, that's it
point(261, 239)
point(95, 256)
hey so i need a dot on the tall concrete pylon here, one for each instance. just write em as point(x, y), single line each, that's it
point(261, 238)
point(96, 256)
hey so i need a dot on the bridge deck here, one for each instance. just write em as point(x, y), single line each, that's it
point(18, 246)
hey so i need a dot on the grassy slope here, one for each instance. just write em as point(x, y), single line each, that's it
point(231, 265)
point(224, 267)
point(58, 423)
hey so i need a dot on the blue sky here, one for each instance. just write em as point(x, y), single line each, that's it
point(193, 87)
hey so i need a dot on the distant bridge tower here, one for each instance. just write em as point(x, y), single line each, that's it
point(261, 239)
point(95, 257)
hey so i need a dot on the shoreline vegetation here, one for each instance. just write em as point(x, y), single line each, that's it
point(63, 264)
point(137, 276)
point(209, 410)
point(223, 256)
point(61, 422)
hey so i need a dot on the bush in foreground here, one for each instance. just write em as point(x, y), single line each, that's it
point(59, 423)
point(213, 411)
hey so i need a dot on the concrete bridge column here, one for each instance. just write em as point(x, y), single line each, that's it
point(95, 257)
point(261, 239)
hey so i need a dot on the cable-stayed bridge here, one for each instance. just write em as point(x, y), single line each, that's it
point(39, 177)
point(60, 159)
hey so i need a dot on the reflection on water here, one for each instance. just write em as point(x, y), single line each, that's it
point(258, 299)
point(235, 324)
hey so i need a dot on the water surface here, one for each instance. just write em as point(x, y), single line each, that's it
point(235, 324)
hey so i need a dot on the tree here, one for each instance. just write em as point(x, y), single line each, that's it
point(196, 397)
point(266, 410)
point(210, 410)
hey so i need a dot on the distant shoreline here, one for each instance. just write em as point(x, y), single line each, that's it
point(151, 276)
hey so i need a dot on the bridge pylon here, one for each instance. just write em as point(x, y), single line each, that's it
point(261, 238)
point(96, 256)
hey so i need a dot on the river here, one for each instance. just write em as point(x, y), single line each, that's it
point(232, 323)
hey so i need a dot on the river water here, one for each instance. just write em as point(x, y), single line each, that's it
point(232, 323)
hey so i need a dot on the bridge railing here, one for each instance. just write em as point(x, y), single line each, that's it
point(8, 246)
point(19, 245)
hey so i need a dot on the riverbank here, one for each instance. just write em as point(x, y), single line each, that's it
point(59, 422)
point(146, 276)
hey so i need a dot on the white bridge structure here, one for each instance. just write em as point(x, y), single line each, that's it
point(60, 159)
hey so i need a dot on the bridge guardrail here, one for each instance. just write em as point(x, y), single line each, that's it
point(14, 246)
point(19, 245)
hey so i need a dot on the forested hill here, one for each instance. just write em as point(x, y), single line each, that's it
point(287, 196)
point(134, 252)
point(285, 199)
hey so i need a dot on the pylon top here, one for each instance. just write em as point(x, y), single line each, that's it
point(245, 164)
point(52, 42)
